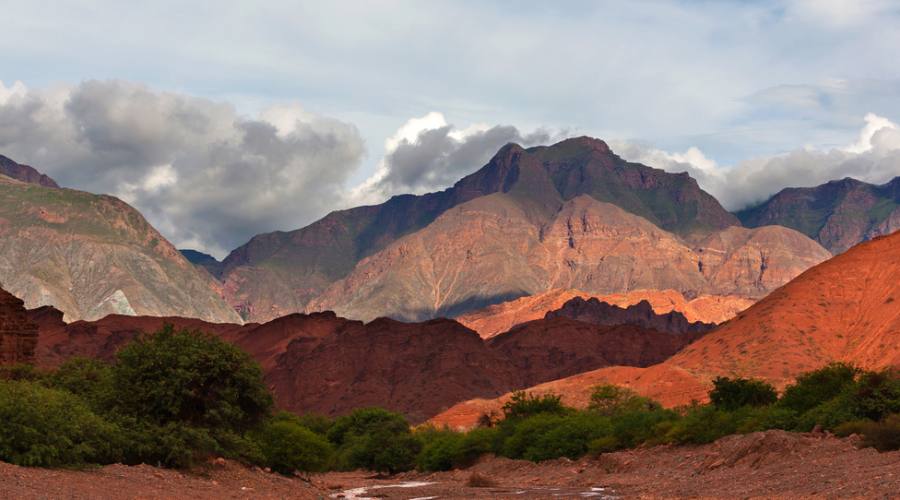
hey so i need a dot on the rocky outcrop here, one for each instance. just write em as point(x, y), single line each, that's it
point(24, 173)
point(279, 273)
point(91, 255)
point(494, 249)
point(18, 335)
point(498, 318)
point(641, 314)
point(838, 214)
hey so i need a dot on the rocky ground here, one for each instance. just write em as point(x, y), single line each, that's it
point(771, 464)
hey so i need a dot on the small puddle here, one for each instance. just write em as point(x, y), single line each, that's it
point(359, 493)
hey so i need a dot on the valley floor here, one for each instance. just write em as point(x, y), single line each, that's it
point(762, 465)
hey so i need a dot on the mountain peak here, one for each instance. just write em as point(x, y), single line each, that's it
point(24, 173)
point(584, 141)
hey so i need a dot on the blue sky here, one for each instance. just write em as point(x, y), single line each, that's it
point(736, 80)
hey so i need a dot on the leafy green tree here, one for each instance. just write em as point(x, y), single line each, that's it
point(47, 427)
point(90, 379)
point(734, 393)
point(816, 387)
point(190, 378)
point(374, 439)
point(523, 404)
point(612, 400)
point(288, 447)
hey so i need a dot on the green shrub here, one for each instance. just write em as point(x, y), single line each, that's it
point(441, 450)
point(765, 418)
point(288, 447)
point(703, 424)
point(90, 379)
point(884, 435)
point(523, 405)
point(40, 426)
point(734, 393)
point(876, 394)
point(816, 387)
point(828, 415)
point(190, 378)
point(613, 400)
point(374, 439)
point(570, 438)
point(21, 371)
point(638, 427)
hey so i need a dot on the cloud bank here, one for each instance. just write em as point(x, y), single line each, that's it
point(206, 177)
point(873, 157)
point(428, 154)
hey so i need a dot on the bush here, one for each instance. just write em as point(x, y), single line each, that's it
point(288, 447)
point(876, 394)
point(734, 393)
point(441, 450)
point(828, 415)
point(48, 427)
point(523, 405)
point(816, 387)
point(702, 424)
point(374, 439)
point(613, 400)
point(638, 427)
point(190, 378)
point(546, 436)
point(884, 435)
point(89, 379)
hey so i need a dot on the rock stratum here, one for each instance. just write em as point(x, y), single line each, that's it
point(499, 318)
point(419, 369)
point(92, 255)
point(18, 335)
point(846, 309)
point(278, 273)
point(838, 214)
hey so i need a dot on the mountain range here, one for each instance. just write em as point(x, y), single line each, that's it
point(573, 216)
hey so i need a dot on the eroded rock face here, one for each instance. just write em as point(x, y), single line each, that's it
point(494, 249)
point(641, 314)
point(325, 364)
point(18, 335)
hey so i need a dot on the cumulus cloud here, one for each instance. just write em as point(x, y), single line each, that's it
point(205, 176)
point(428, 154)
point(873, 157)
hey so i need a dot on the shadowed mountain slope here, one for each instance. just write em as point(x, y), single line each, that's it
point(24, 173)
point(838, 214)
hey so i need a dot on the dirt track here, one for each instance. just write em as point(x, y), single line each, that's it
point(771, 464)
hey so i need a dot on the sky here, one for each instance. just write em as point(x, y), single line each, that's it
point(220, 120)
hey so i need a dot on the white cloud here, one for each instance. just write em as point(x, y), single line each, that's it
point(202, 174)
point(874, 157)
point(428, 154)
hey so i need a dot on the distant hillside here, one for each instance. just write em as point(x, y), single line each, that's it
point(838, 214)
point(205, 261)
point(278, 273)
point(846, 309)
point(91, 255)
point(24, 173)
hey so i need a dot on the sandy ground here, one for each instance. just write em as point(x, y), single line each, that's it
point(771, 464)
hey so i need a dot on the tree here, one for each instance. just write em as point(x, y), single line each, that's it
point(191, 378)
point(734, 393)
